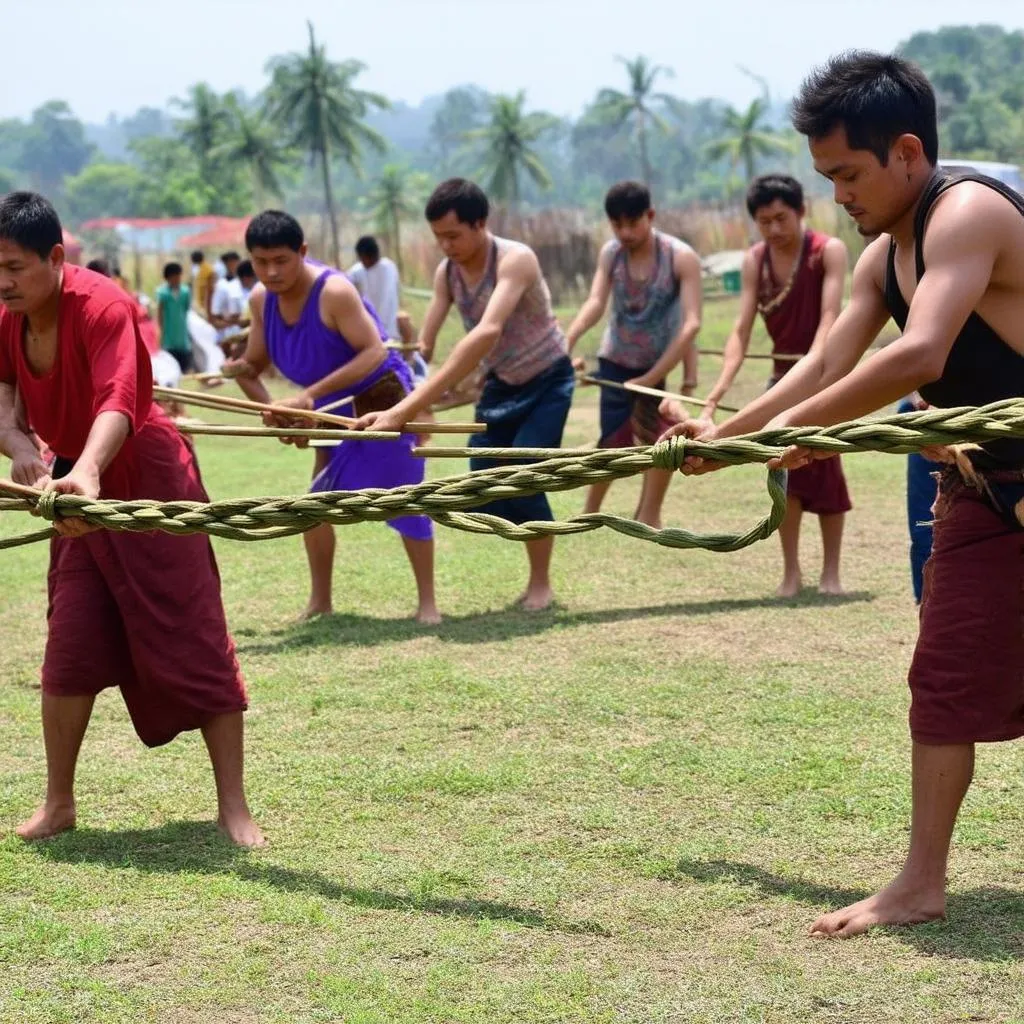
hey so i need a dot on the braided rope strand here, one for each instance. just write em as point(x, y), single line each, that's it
point(446, 500)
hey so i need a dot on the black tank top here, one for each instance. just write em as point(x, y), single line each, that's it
point(981, 367)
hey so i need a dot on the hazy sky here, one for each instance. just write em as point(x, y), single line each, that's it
point(117, 55)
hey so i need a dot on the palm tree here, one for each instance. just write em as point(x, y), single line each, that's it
point(616, 109)
point(397, 194)
point(203, 126)
point(253, 142)
point(508, 153)
point(313, 99)
point(461, 110)
point(746, 139)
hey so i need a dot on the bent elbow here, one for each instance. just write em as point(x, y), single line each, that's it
point(487, 335)
point(926, 364)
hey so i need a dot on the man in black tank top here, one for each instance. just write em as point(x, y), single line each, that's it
point(948, 266)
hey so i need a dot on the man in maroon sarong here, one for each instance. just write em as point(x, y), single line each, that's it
point(794, 278)
point(139, 611)
point(948, 267)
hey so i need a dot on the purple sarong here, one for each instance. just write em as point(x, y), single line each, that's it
point(306, 352)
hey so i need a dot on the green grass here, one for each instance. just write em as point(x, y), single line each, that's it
point(627, 810)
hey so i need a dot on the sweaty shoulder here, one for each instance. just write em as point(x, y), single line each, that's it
point(258, 298)
point(678, 245)
point(972, 206)
point(516, 258)
point(339, 289)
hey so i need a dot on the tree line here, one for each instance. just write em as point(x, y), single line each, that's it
point(314, 139)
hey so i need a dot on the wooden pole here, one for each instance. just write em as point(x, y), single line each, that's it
point(246, 407)
point(782, 357)
point(217, 430)
point(653, 392)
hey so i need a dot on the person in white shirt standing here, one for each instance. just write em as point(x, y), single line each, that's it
point(376, 279)
point(227, 307)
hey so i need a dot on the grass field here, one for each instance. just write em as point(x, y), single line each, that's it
point(626, 810)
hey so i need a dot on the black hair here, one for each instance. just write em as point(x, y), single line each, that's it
point(232, 255)
point(272, 229)
point(244, 269)
point(197, 256)
point(876, 97)
point(99, 266)
point(116, 270)
point(30, 221)
point(629, 199)
point(367, 246)
point(170, 269)
point(465, 199)
point(765, 190)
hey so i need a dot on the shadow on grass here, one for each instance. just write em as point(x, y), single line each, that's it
point(986, 923)
point(504, 624)
point(198, 848)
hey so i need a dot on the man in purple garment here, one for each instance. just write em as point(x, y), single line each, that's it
point(309, 321)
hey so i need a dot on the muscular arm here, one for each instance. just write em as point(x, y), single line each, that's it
point(682, 347)
point(597, 302)
point(738, 342)
point(343, 311)
point(516, 272)
point(437, 313)
point(109, 431)
point(964, 238)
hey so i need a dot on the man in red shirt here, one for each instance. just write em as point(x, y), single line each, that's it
point(139, 611)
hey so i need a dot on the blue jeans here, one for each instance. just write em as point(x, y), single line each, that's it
point(530, 415)
point(921, 490)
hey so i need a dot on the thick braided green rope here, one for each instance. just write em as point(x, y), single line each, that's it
point(445, 500)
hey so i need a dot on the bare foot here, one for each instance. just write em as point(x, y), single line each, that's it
point(49, 820)
point(830, 586)
point(314, 610)
point(428, 615)
point(895, 904)
point(790, 586)
point(239, 827)
point(536, 599)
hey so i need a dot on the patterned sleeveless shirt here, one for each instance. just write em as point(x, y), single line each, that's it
point(531, 339)
point(646, 314)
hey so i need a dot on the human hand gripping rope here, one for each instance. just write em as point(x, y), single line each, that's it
point(446, 500)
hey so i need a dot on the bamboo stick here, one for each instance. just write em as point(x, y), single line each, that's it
point(654, 392)
point(338, 404)
point(216, 429)
point(782, 357)
point(20, 489)
point(244, 406)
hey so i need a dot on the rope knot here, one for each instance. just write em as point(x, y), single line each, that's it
point(669, 453)
point(46, 505)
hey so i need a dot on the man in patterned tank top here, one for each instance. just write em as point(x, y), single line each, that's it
point(512, 334)
point(654, 282)
point(948, 267)
point(794, 278)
